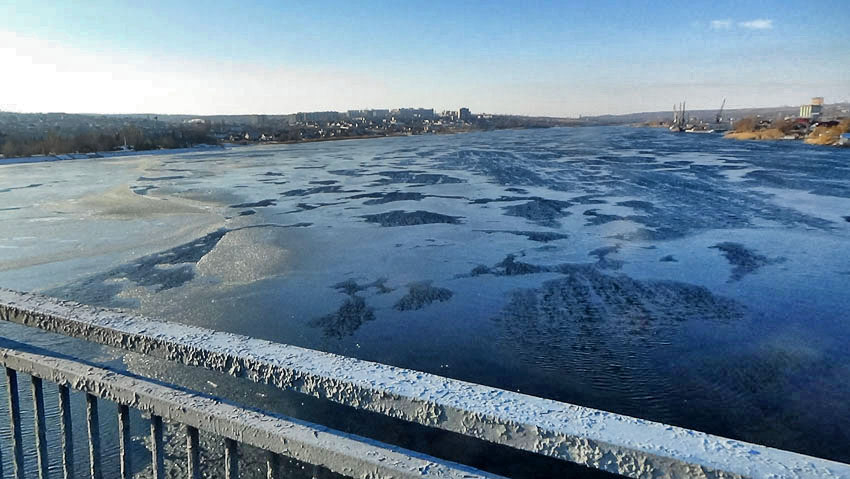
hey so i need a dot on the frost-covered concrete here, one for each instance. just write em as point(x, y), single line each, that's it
point(599, 439)
point(339, 452)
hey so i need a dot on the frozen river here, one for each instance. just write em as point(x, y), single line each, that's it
point(687, 279)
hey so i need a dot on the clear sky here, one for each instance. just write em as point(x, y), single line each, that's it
point(558, 58)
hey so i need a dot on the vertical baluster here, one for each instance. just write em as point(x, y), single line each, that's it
point(272, 465)
point(40, 438)
point(231, 461)
point(67, 436)
point(193, 452)
point(157, 453)
point(94, 436)
point(15, 418)
point(124, 440)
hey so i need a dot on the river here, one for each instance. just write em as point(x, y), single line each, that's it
point(681, 278)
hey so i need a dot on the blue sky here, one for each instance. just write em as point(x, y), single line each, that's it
point(548, 58)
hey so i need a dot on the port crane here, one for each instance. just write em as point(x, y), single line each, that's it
point(719, 117)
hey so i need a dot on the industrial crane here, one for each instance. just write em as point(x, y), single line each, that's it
point(720, 113)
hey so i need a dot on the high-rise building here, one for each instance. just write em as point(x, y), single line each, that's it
point(813, 110)
point(464, 114)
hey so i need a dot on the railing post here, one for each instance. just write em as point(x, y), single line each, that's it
point(67, 436)
point(193, 453)
point(15, 418)
point(40, 438)
point(157, 452)
point(94, 436)
point(124, 440)
point(231, 461)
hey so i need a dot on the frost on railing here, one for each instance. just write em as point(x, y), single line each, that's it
point(623, 445)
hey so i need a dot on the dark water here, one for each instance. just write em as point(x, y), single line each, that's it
point(687, 279)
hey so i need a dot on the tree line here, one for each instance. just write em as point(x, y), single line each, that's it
point(53, 142)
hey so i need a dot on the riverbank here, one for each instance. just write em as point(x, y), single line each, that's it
point(829, 134)
point(768, 134)
point(119, 154)
point(825, 133)
point(773, 134)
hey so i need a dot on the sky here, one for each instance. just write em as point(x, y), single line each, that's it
point(553, 58)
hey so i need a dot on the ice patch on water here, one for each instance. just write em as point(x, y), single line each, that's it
point(122, 202)
point(347, 319)
point(831, 208)
point(246, 255)
point(589, 310)
point(421, 294)
point(540, 211)
point(410, 218)
point(537, 236)
point(744, 260)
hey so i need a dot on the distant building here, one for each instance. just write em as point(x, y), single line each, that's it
point(464, 114)
point(368, 114)
point(813, 110)
point(319, 116)
point(405, 114)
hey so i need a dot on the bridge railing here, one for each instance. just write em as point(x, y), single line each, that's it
point(309, 443)
point(615, 443)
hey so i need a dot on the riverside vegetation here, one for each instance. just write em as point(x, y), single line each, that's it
point(826, 133)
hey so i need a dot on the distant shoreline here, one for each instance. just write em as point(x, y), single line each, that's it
point(206, 147)
point(122, 154)
point(820, 136)
point(130, 153)
point(770, 134)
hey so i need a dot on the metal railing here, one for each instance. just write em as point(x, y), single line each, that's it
point(620, 444)
point(341, 453)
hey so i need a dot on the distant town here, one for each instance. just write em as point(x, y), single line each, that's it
point(51, 134)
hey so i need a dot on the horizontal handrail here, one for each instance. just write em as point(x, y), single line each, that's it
point(339, 452)
point(621, 444)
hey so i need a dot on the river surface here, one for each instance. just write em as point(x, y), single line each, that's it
point(681, 278)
